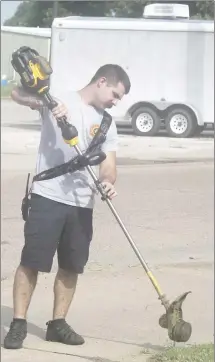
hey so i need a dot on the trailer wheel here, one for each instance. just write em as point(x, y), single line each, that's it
point(180, 123)
point(145, 122)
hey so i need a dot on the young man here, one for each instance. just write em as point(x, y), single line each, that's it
point(60, 217)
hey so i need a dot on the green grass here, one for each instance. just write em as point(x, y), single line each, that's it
point(6, 90)
point(199, 353)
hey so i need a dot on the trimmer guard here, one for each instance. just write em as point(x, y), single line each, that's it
point(178, 329)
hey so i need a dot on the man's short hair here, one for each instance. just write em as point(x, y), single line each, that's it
point(114, 74)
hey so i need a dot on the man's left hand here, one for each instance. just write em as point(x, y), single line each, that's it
point(109, 189)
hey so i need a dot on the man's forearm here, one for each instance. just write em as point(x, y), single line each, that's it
point(108, 175)
point(20, 96)
point(107, 169)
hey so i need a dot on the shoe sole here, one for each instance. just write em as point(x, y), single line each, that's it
point(9, 347)
point(67, 344)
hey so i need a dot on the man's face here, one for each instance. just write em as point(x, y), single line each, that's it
point(108, 95)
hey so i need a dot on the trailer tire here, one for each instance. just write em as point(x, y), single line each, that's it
point(145, 122)
point(199, 130)
point(180, 123)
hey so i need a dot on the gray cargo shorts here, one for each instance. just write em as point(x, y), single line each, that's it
point(52, 226)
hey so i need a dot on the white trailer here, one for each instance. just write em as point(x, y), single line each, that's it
point(170, 63)
point(13, 37)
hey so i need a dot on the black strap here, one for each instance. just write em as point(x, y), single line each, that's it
point(27, 186)
point(92, 156)
point(26, 201)
point(101, 134)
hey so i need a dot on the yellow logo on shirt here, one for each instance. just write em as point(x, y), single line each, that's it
point(94, 129)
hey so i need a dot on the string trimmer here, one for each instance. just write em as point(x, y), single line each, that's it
point(35, 72)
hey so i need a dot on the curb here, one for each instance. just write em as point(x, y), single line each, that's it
point(125, 161)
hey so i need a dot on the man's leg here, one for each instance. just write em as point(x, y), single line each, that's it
point(23, 288)
point(42, 233)
point(73, 252)
point(24, 284)
point(64, 290)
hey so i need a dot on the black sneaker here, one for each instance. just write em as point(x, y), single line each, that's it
point(59, 331)
point(16, 334)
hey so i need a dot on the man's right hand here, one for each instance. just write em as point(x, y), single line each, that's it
point(60, 111)
point(20, 96)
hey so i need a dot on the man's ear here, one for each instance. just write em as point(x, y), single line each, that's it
point(102, 81)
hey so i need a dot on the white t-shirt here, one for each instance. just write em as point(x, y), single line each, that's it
point(77, 188)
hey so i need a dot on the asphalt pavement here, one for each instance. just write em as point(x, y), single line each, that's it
point(165, 189)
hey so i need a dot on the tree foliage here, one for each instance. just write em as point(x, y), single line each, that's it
point(40, 13)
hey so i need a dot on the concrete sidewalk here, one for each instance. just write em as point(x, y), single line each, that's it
point(116, 313)
point(25, 141)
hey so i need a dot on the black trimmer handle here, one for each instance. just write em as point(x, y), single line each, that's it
point(69, 132)
point(50, 102)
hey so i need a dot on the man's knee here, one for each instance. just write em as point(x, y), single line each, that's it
point(28, 271)
point(67, 273)
point(72, 266)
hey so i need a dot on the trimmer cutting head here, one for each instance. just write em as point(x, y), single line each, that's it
point(178, 329)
